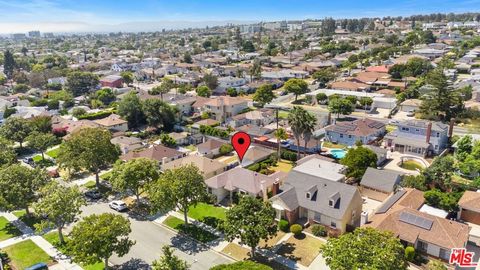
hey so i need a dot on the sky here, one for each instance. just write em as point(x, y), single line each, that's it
point(106, 15)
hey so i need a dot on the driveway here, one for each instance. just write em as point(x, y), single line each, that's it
point(150, 237)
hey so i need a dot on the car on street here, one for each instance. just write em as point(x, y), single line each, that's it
point(118, 206)
point(93, 194)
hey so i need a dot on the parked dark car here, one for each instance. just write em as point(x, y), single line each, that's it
point(93, 194)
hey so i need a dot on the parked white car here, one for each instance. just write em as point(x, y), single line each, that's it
point(118, 206)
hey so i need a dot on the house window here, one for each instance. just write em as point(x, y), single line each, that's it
point(330, 203)
point(422, 246)
point(405, 129)
point(444, 254)
point(341, 135)
point(333, 224)
point(349, 136)
point(307, 195)
point(438, 134)
point(317, 217)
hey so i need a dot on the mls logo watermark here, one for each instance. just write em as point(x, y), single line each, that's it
point(462, 257)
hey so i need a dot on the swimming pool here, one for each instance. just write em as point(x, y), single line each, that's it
point(338, 153)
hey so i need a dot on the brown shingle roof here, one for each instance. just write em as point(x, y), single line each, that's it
point(470, 200)
point(205, 165)
point(111, 120)
point(360, 127)
point(156, 152)
point(443, 232)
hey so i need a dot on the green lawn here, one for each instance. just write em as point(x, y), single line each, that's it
point(208, 214)
point(191, 147)
point(25, 254)
point(105, 176)
point(411, 165)
point(283, 114)
point(190, 230)
point(203, 210)
point(37, 158)
point(7, 230)
point(53, 153)
point(282, 166)
point(333, 145)
point(90, 184)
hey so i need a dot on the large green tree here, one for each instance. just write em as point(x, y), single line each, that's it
point(127, 77)
point(159, 114)
point(169, 261)
point(280, 134)
point(163, 88)
point(8, 64)
point(80, 83)
point(357, 160)
point(324, 75)
point(97, 237)
point(41, 141)
point(250, 221)
point(16, 129)
point(60, 205)
point(302, 124)
point(133, 175)
point(439, 173)
point(130, 108)
point(264, 94)
point(340, 106)
point(365, 248)
point(7, 153)
point(180, 188)
point(90, 149)
point(41, 123)
point(19, 185)
point(443, 102)
point(203, 91)
point(296, 87)
point(211, 81)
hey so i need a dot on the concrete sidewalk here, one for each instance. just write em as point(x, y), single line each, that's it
point(64, 263)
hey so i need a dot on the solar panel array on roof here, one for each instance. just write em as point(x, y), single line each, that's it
point(416, 220)
point(375, 125)
point(390, 201)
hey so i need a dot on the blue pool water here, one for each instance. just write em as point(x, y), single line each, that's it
point(338, 153)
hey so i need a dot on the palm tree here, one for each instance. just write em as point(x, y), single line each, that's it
point(295, 120)
point(308, 127)
point(280, 134)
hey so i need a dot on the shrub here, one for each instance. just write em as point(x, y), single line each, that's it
point(53, 104)
point(319, 230)
point(255, 167)
point(94, 116)
point(289, 155)
point(409, 253)
point(296, 229)
point(283, 225)
point(225, 149)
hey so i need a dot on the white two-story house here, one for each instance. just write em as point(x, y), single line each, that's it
point(419, 137)
point(224, 107)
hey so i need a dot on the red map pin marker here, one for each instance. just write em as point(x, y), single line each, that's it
point(240, 142)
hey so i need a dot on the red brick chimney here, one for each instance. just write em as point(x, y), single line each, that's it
point(429, 131)
point(450, 128)
point(276, 187)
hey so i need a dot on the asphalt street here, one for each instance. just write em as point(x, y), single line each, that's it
point(150, 237)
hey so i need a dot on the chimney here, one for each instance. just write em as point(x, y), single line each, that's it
point(450, 128)
point(164, 160)
point(276, 187)
point(429, 132)
point(363, 218)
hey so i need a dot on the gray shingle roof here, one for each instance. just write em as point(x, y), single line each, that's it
point(298, 184)
point(384, 180)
